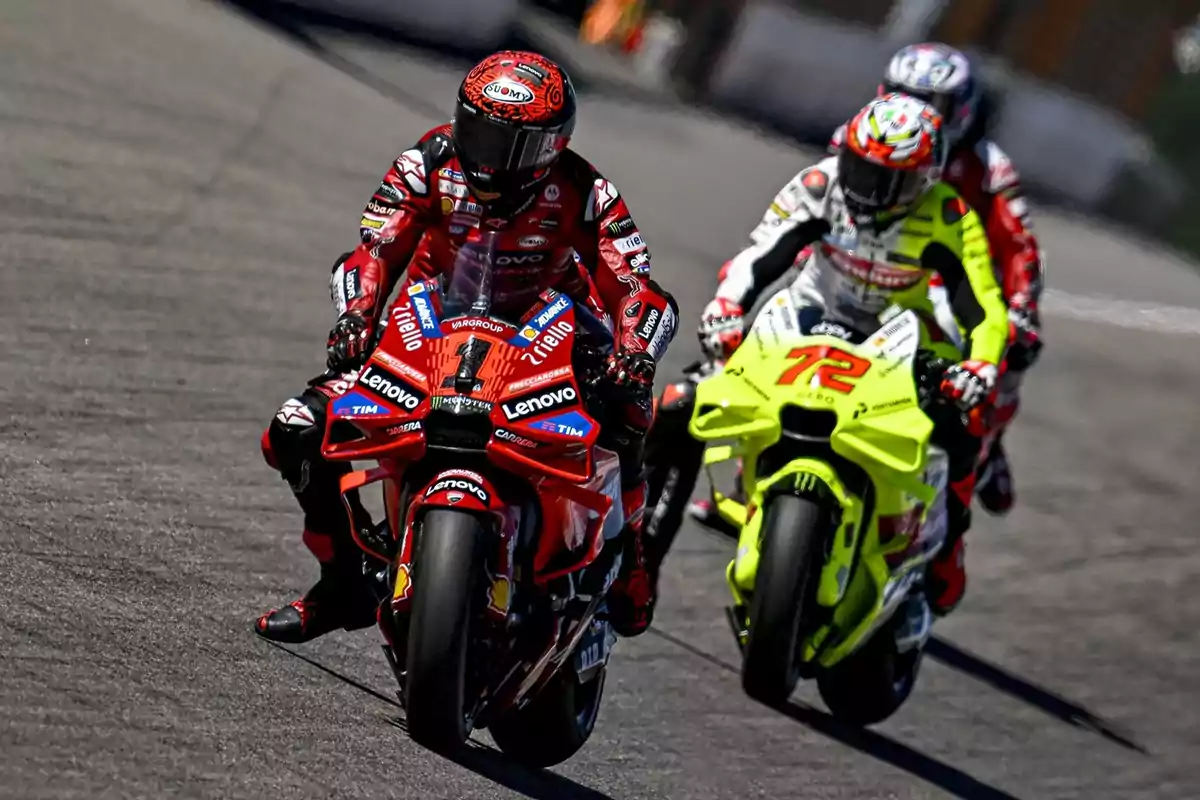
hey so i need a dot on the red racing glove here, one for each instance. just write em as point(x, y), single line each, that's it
point(722, 328)
point(631, 369)
point(348, 342)
point(1025, 338)
point(970, 383)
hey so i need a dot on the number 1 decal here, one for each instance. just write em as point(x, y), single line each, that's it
point(844, 365)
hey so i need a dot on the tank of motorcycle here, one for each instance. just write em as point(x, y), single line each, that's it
point(456, 367)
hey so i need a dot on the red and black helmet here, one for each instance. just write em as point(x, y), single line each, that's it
point(515, 115)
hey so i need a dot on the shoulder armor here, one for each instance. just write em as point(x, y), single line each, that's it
point(998, 170)
point(414, 166)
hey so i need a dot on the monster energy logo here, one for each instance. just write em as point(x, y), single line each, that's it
point(806, 482)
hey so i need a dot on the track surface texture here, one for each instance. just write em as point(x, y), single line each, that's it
point(176, 178)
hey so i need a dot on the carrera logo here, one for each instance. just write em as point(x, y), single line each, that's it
point(506, 435)
point(459, 485)
point(402, 428)
point(541, 402)
point(648, 323)
point(379, 381)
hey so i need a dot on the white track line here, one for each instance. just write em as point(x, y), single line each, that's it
point(1152, 317)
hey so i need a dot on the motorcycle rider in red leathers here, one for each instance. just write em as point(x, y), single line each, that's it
point(985, 177)
point(501, 169)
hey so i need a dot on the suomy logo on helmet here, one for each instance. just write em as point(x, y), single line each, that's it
point(506, 90)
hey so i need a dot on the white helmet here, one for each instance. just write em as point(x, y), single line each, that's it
point(941, 76)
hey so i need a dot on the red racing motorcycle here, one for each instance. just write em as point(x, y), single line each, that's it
point(499, 507)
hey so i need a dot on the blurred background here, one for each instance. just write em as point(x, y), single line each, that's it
point(1093, 99)
point(176, 177)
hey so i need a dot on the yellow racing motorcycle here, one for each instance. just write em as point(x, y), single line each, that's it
point(844, 505)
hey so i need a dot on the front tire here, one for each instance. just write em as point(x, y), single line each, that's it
point(555, 725)
point(791, 535)
point(445, 570)
point(870, 684)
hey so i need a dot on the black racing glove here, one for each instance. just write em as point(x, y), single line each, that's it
point(634, 370)
point(1025, 339)
point(348, 342)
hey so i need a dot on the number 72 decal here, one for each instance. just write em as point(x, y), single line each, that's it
point(839, 364)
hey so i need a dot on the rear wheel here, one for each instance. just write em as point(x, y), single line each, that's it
point(445, 569)
point(871, 683)
point(790, 543)
point(555, 725)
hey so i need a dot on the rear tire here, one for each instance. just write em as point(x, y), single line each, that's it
point(871, 684)
point(445, 572)
point(790, 543)
point(555, 725)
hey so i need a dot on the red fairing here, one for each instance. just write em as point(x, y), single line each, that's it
point(423, 212)
point(462, 489)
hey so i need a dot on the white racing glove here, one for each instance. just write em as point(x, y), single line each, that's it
point(970, 383)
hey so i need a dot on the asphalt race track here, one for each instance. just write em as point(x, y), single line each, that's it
point(175, 180)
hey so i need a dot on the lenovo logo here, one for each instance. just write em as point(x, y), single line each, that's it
point(543, 402)
point(383, 383)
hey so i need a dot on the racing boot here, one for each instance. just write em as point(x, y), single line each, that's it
point(704, 510)
point(341, 598)
point(994, 486)
point(632, 596)
point(946, 575)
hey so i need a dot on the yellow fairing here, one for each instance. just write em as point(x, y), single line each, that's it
point(879, 427)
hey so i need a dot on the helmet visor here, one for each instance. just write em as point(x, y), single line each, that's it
point(495, 148)
point(871, 187)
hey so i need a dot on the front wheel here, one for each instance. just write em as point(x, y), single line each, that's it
point(445, 569)
point(791, 534)
point(871, 683)
point(555, 724)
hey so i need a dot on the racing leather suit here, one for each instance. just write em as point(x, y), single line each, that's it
point(417, 219)
point(985, 177)
point(854, 274)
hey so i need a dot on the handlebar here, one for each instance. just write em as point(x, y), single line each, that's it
point(929, 371)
